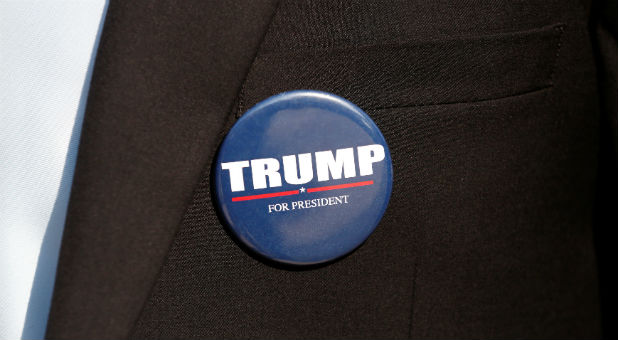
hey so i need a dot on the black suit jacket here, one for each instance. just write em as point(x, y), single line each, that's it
point(502, 154)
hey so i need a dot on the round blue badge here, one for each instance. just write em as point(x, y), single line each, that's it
point(303, 177)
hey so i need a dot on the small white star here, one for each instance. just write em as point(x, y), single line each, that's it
point(302, 189)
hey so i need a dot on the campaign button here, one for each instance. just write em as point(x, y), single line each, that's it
point(303, 177)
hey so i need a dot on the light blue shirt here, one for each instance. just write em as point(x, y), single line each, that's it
point(47, 52)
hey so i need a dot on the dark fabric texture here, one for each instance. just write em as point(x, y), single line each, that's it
point(492, 110)
point(414, 73)
point(164, 80)
point(604, 32)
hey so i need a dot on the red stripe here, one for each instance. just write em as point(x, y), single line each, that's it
point(257, 197)
point(340, 186)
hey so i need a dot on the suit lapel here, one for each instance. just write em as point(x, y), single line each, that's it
point(164, 83)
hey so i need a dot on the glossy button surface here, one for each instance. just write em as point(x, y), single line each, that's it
point(303, 177)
